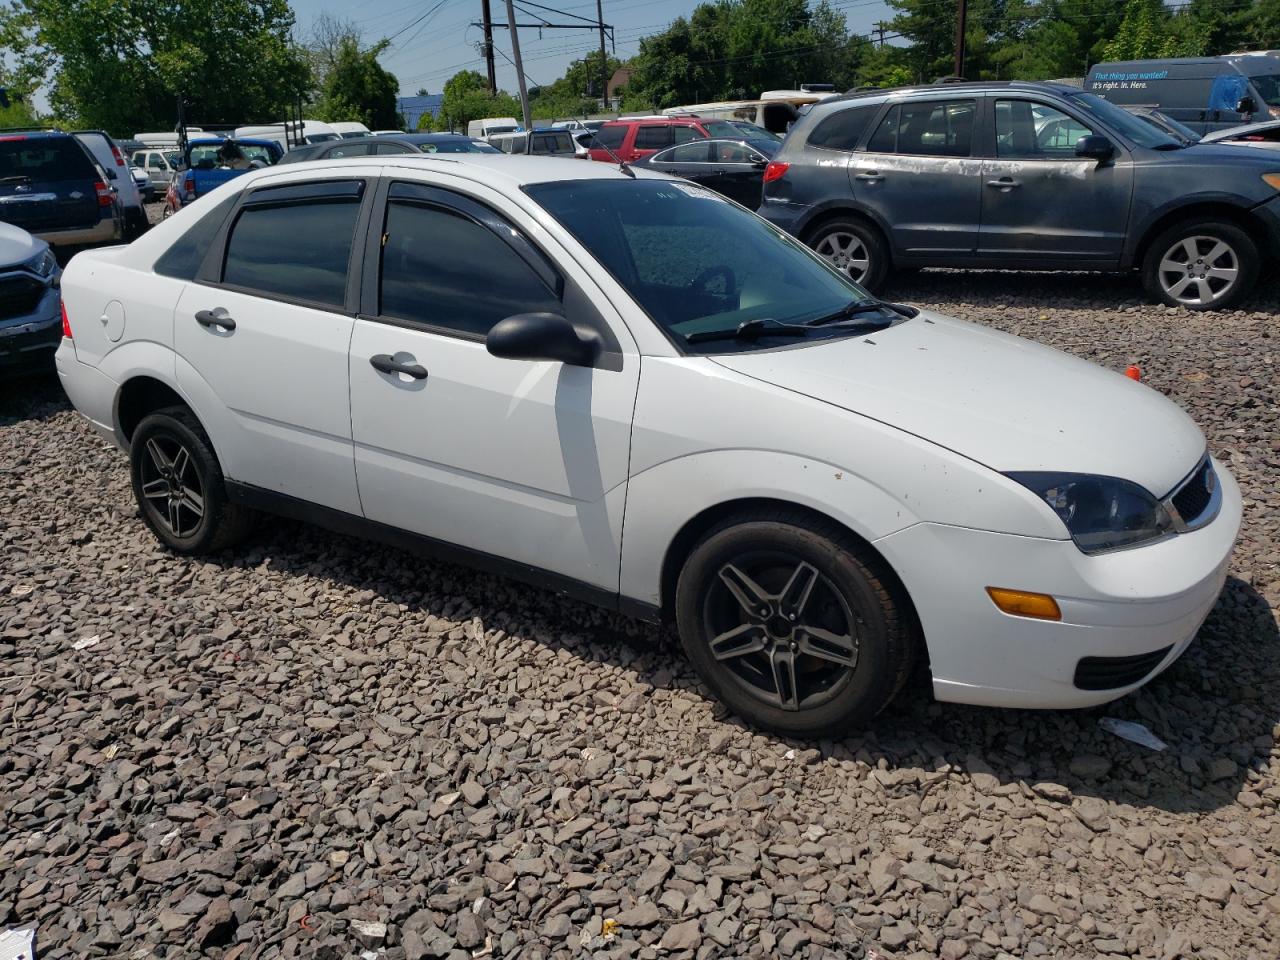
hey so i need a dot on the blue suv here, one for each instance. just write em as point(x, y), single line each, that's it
point(51, 187)
point(1024, 176)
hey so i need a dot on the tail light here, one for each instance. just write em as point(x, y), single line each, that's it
point(189, 185)
point(115, 152)
point(66, 324)
point(104, 194)
point(775, 171)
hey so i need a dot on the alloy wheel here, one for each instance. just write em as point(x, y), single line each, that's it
point(172, 485)
point(847, 252)
point(1199, 269)
point(782, 629)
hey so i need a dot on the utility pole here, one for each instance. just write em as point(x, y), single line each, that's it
point(880, 33)
point(488, 46)
point(604, 61)
point(961, 13)
point(515, 55)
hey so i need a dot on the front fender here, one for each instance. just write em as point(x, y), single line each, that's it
point(1146, 218)
point(664, 498)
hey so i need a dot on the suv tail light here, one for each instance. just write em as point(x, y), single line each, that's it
point(775, 171)
point(189, 185)
point(66, 324)
point(115, 152)
point(104, 194)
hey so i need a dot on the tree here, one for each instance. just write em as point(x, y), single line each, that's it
point(328, 35)
point(358, 88)
point(121, 64)
point(467, 98)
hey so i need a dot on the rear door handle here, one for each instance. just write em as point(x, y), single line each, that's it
point(869, 177)
point(1004, 183)
point(387, 364)
point(217, 317)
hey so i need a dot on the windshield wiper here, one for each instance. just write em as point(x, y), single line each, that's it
point(751, 330)
point(855, 307)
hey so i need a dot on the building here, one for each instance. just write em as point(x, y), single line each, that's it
point(412, 108)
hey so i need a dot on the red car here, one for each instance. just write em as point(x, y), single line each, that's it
point(633, 139)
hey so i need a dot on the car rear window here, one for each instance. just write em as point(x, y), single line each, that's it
point(45, 158)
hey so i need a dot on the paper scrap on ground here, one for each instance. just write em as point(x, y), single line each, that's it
point(18, 944)
point(85, 642)
point(1133, 732)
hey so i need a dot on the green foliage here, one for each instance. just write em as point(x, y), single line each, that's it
point(19, 113)
point(467, 98)
point(426, 122)
point(357, 88)
point(575, 94)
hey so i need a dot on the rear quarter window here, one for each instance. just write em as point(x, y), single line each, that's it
point(843, 130)
point(45, 158)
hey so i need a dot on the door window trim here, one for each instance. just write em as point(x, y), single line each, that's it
point(292, 193)
point(578, 307)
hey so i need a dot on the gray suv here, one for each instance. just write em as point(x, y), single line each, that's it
point(1024, 176)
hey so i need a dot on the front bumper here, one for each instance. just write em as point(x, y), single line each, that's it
point(1121, 604)
point(27, 342)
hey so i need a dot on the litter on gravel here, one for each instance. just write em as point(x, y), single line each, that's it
point(1133, 732)
point(18, 944)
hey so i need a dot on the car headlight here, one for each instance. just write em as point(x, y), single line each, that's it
point(43, 263)
point(1100, 513)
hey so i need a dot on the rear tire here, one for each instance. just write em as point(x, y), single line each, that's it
point(795, 625)
point(856, 248)
point(179, 486)
point(1201, 264)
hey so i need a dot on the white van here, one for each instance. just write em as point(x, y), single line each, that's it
point(484, 129)
point(166, 139)
point(349, 129)
point(310, 131)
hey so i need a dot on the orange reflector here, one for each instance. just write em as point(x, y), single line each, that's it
point(1020, 603)
point(1133, 373)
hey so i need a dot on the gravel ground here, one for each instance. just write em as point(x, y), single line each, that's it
point(316, 747)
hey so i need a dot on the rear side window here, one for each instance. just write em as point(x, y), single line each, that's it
point(182, 260)
point(388, 148)
point(686, 134)
point(300, 250)
point(653, 138)
point(356, 150)
point(442, 269)
point(45, 158)
point(932, 128)
point(843, 130)
point(611, 137)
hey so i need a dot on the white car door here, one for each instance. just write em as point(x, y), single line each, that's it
point(262, 339)
point(525, 461)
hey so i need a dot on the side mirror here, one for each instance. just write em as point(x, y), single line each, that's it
point(1246, 105)
point(543, 336)
point(1095, 147)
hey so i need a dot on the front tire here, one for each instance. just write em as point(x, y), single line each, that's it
point(1201, 264)
point(179, 486)
point(793, 624)
point(856, 249)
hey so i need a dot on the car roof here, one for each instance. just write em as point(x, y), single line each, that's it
point(936, 89)
point(517, 170)
point(677, 121)
point(424, 137)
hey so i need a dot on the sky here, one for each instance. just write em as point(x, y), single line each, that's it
point(432, 39)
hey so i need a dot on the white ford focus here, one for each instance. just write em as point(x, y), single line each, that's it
point(635, 392)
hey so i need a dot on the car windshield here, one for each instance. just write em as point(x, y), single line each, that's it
point(1268, 85)
point(698, 264)
point(206, 155)
point(1139, 131)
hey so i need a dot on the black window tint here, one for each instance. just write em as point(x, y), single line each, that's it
point(885, 139)
point(299, 250)
point(843, 130)
point(699, 151)
point(610, 137)
point(182, 260)
point(382, 149)
point(45, 158)
point(445, 270)
point(653, 138)
point(354, 150)
point(941, 129)
point(685, 134)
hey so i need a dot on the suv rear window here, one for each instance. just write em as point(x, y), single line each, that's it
point(843, 130)
point(45, 158)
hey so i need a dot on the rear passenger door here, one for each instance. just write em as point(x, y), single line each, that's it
point(262, 338)
point(918, 175)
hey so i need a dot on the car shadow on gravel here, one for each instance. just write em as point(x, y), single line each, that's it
point(1215, 707)
point(35, 397)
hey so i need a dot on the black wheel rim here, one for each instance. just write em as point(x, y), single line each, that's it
point(781, 630)
point(172, 487)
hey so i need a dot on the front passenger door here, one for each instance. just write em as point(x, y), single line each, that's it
point(520, 460)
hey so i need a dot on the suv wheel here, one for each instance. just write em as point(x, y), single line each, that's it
point(179, 486)
point(792, 624)
point(1201, 265)
point(856, 249)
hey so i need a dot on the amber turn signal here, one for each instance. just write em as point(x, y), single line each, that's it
point(1020, 603)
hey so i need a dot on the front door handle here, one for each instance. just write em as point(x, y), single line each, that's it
point(871, 176)
point(1004, 183)
point(388, 364)
point(217, 317)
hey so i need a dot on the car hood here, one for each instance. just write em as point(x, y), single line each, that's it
point(1242, 130)
point(17, 246)
point(1006, 402)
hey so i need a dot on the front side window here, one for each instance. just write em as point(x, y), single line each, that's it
point(385, 149)
point(928, 129)
point(653, 138)
point(442, 269)
point(298, 250)
point(685, 134)
point(610, 137)
point(695, 263)
point(1268, 87)
point(358, 150)
point(728, 152)
point(1036, 131)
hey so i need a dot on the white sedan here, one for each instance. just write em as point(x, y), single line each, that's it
point(630, 390)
